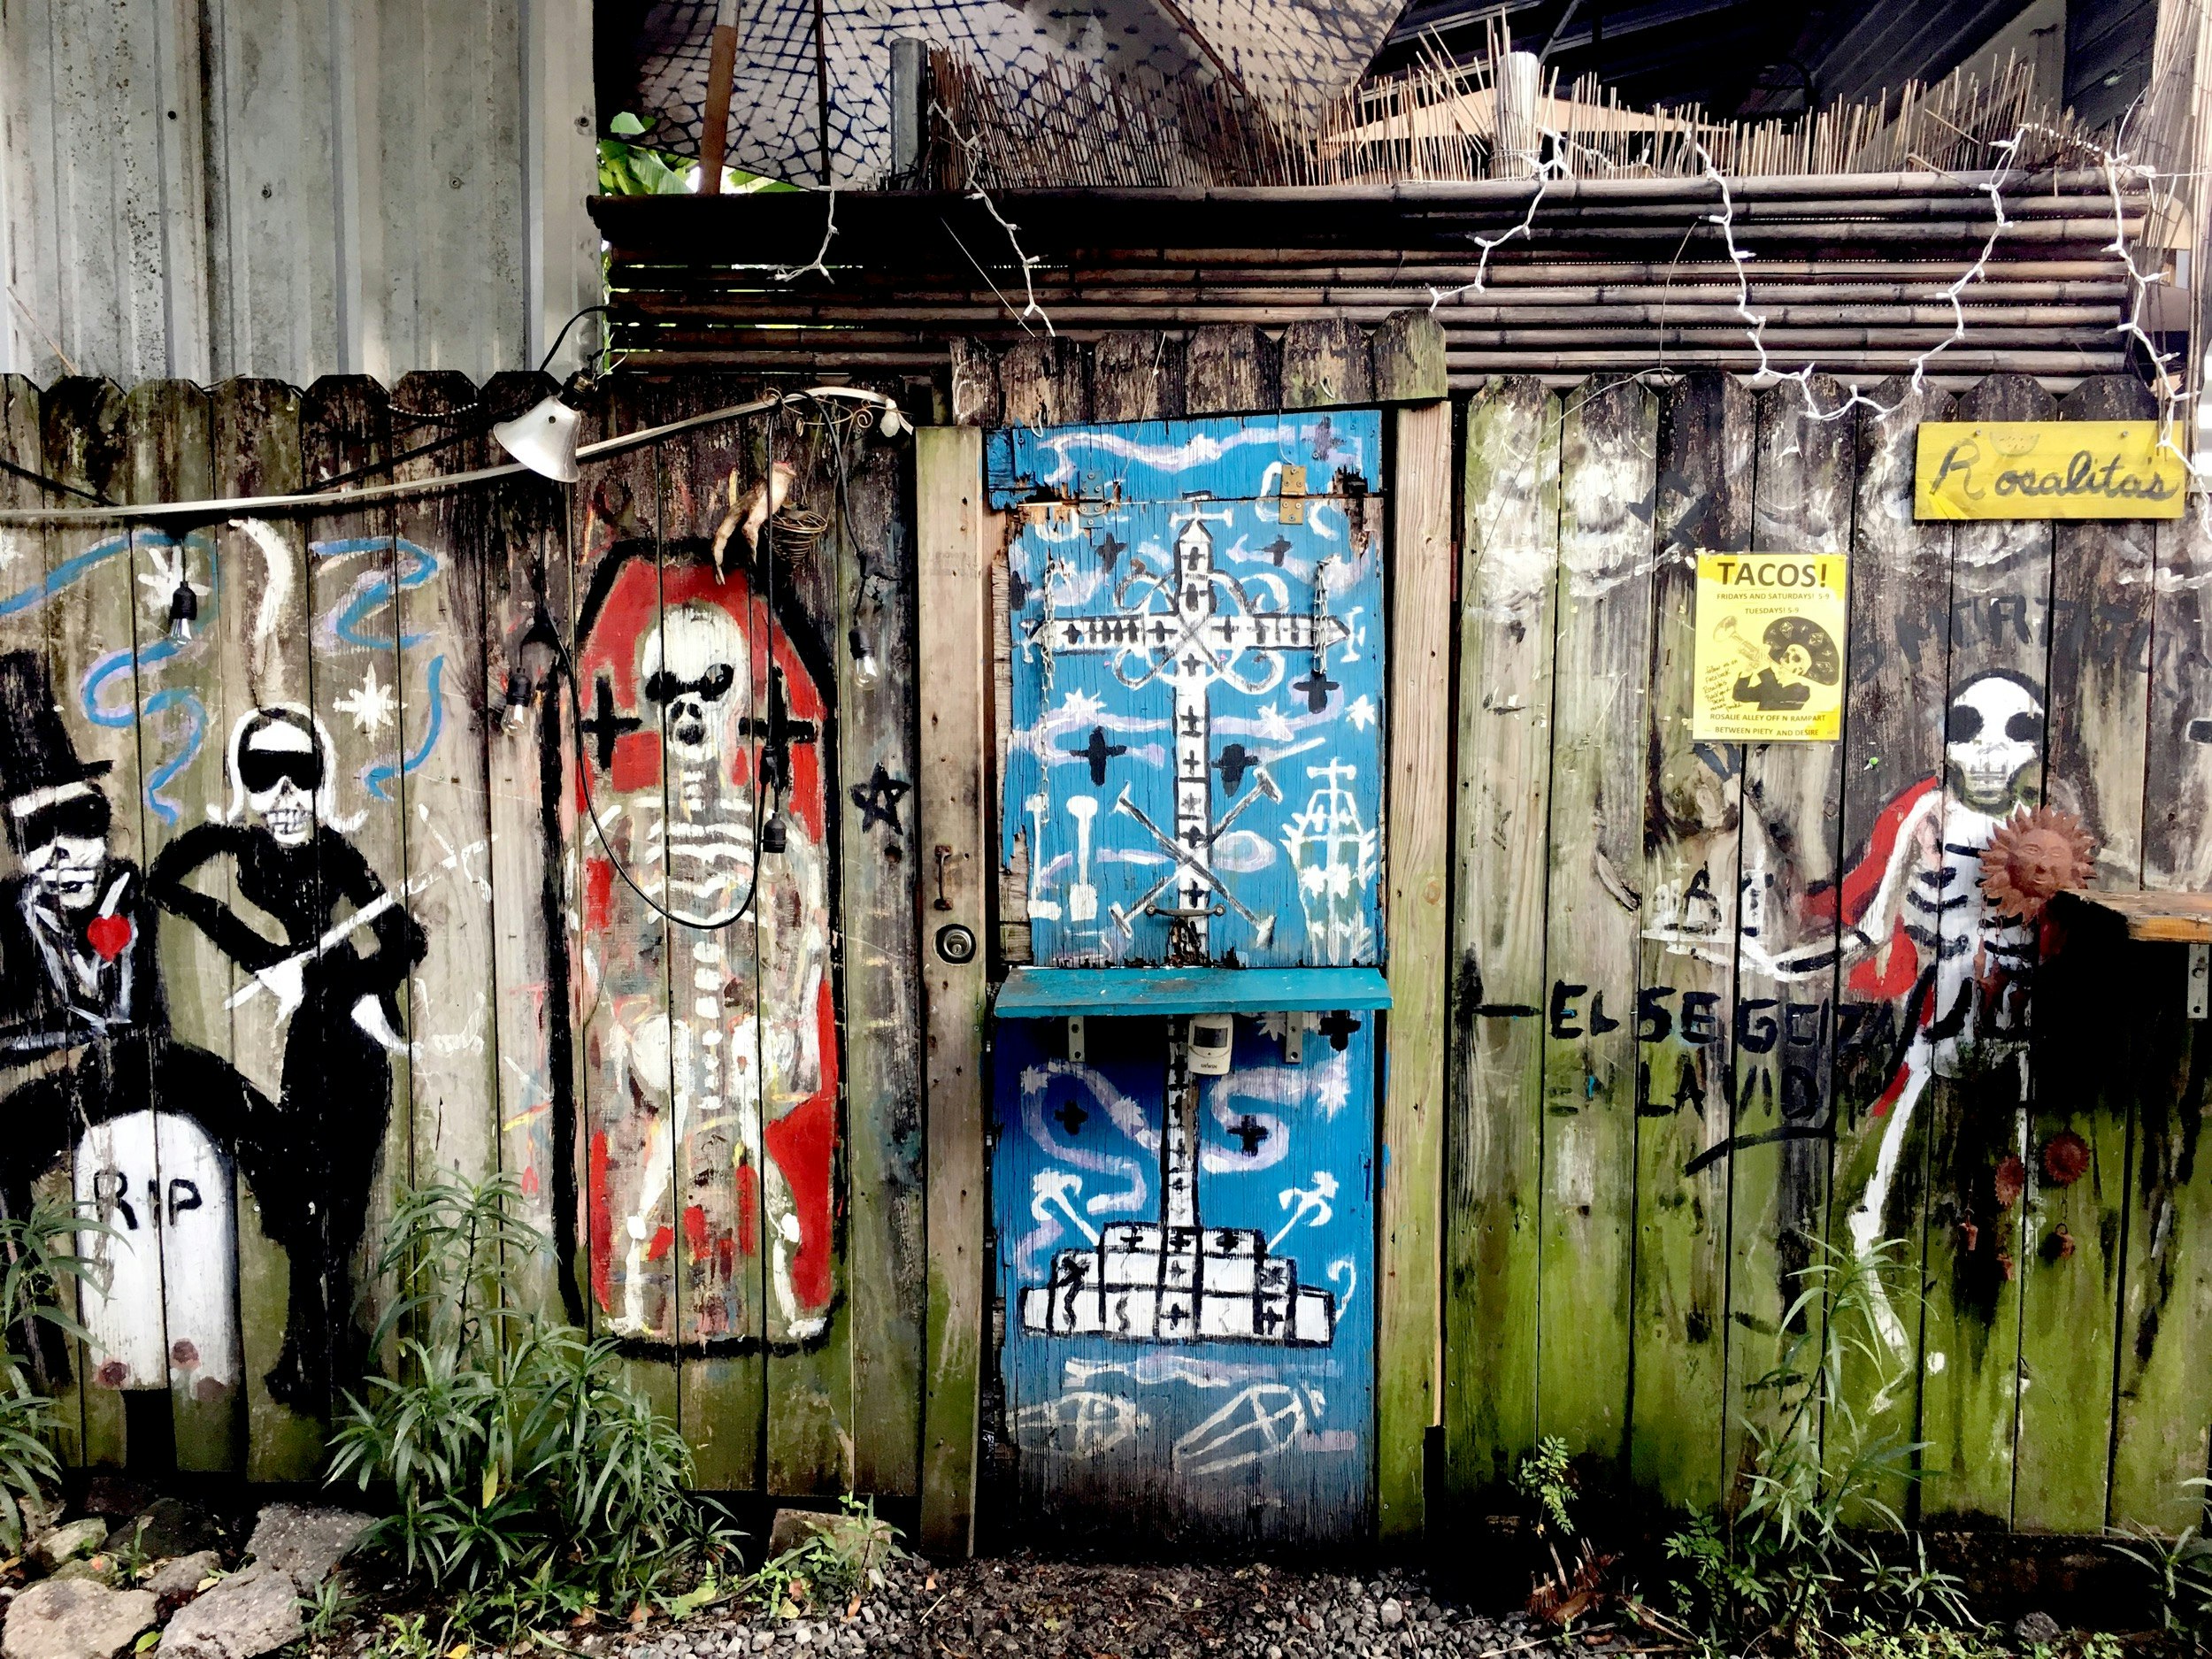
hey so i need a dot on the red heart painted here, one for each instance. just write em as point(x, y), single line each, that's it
point(109, 935)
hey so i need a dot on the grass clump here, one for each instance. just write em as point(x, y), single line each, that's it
point(528, 1479)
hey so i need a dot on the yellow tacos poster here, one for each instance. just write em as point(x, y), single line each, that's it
point(1770, 633)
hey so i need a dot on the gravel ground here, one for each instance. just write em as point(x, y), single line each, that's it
point(1023, 1607)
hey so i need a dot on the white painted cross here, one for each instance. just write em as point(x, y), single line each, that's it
point(1190, 645)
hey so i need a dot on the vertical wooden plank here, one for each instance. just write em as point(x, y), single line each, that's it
point(1325, 364)
point(951, 653)
point(1137, 375)
point(263, 663)
point(23, 566)
point(346, 1078)
point(445, 820)
point(1226, 371)
point(879, 870)
point(1510, 552)
point(1042, 383)
point(1406, 356)
point(181, 743)
point(1977, 1097)
point(810, 1442)
point(626, 1099)
point(975, 394)
point(1609, 453)
point(2073, 1215)
point(89, 647)
point(1685, 1010)
point(2163, 1421)
point(726, 1395)
point(1898, 665)
point(1409, 1330)
point(1792, 810)
point(525, 600)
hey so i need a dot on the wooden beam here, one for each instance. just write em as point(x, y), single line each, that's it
point(1410, 1315)
point(953, 657)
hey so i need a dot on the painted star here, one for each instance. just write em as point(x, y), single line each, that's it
point(878, 800)
point(371, 704)
point(1360, 711)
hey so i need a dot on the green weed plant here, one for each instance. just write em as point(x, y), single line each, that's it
point(527, 1477)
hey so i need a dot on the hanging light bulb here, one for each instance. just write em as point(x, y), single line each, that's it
point(184, 609)
point(866, 670)
point(772, 833)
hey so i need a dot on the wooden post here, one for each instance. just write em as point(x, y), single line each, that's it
point(953, 656)
point(1409, 1324)
point(714, 121)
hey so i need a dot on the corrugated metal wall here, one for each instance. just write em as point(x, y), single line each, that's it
point(292, 187)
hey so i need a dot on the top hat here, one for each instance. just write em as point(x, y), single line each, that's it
point(38, 761)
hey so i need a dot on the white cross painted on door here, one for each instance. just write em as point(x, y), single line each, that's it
point(1190, 645)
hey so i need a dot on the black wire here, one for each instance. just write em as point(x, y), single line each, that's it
point(768, 600)
point(566, 326)
point(55, 484)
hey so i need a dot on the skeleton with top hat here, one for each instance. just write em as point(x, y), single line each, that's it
point(88, 1065)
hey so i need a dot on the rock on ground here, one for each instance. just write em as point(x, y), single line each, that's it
point(75, 1618)
point(252, 1612)
point(1026, 1609)
point(294, 1546)
point(67, 1542)
point(305, 1541)
point(180, 1580)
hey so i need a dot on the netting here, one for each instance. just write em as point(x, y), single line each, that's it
point(812, 84)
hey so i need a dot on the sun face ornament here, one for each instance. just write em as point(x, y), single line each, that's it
point(2034, 854)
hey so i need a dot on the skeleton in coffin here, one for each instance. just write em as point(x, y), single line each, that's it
point(1917, 924)
point(346, 946)
point(85, 1045)
point(739, 1048)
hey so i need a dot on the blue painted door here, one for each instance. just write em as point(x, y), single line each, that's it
point(1194, 775)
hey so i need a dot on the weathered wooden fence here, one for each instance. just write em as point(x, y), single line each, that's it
point(1712, 1014)
point(359, 728)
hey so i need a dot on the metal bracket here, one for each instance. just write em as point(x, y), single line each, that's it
point(2199, 988)
point(1075, 1039)
point(1295, 1038)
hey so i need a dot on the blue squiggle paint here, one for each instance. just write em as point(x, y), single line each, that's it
point(138, 664)
point(63, 575)
point(377, 590)
point(380, 778)
point(183, 755)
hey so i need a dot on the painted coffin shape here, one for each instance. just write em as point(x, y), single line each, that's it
point(1197, 653)
point(1187, 1321)
point(714, 1066)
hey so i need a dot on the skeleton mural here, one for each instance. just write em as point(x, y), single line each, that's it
point(87, 1062)
point(707, 941)
point(1919, 925)
point(344, 946)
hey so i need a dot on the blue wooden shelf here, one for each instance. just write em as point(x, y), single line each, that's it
point(1112, 992)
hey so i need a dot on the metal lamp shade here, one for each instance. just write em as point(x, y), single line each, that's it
point(543, 438)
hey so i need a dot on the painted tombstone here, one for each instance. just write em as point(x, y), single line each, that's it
point(713, 1128)
point(1193, 776)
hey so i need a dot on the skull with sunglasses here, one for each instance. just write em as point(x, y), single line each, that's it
point(687, 666)
point(279, 762)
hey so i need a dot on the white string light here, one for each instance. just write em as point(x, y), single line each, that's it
point(977, 193)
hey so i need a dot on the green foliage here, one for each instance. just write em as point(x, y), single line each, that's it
point(2180, 1574)
point(40, 1259)
point(331, 1605)
point(527, 1476)
point(630, 169)
point(1925, 1641)
point(1783, 1571)
point(828, 1567)
point(1545, 1479)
